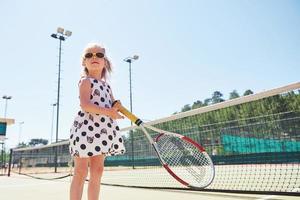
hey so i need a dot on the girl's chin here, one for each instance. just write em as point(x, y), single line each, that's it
point(95, 69)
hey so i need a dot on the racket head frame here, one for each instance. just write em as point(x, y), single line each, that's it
point(165, 165)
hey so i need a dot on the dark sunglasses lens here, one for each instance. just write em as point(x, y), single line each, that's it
point(100, 55)
point(88, 55)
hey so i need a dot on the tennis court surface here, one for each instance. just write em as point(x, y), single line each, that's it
point(20, 187)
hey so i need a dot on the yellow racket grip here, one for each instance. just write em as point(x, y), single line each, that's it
point(127, 113)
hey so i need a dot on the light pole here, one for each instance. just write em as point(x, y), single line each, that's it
point(61, 35)
point(5, 108)
point(3, 160)
point(129, 60)
point(53, 105)
point(20, 131)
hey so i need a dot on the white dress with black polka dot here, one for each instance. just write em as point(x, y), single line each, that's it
point(92, 134)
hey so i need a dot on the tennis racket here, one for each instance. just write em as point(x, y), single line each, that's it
point(184, 159)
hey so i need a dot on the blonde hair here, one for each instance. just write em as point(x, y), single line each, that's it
point(107, 64)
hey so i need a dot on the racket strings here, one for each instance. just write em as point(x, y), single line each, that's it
point(186, 160)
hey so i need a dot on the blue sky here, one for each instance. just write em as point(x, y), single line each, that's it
point(188, 50)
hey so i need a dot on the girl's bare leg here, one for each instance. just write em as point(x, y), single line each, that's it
point(80, 174)
point(96, 170)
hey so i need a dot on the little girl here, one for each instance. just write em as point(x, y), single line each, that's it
point(94, 133)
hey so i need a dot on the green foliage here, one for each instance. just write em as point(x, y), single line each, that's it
point(207, 102)
point(197, 104)
point(248, 92)
point(274, 117)
point(186, 108)
point(22, 144)
point(34, 142)
point(234, 94)
point(215, 98)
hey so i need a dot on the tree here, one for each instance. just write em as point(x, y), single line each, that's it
point(186, 108)
point(34, 142)
point(197, 104)
point(207, 101)
point(217, 97)
point(234, 94)
point(248, 92)
point(22, 144)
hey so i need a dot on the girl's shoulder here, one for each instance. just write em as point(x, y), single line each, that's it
point(83, 79)
point(87, 79)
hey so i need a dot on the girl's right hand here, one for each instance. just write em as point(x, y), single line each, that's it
point(114, 114)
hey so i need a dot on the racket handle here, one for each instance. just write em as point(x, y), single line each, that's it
point(127, 113)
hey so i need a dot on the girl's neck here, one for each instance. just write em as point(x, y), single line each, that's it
point(95, 76)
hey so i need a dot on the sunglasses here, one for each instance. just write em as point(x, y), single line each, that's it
point(90, 55)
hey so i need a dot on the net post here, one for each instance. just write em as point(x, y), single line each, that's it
point(132, 147)
point(10, 159)
point(55, 160)
point(20, 164)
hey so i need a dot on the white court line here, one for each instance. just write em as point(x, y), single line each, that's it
point(24, 185)
point(266, 197)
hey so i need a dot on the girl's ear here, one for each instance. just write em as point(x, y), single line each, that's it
point(83, 62)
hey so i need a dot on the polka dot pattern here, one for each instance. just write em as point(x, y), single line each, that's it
point(94, 134)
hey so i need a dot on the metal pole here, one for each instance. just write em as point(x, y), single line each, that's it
point(20, 131)
point(2, 158)
point(61, 35)
point(6, 99)
point(131, 132)
point(57, 110)
point(130, 87)
point(5, 108)
point(10, 160)
point(51, 137)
